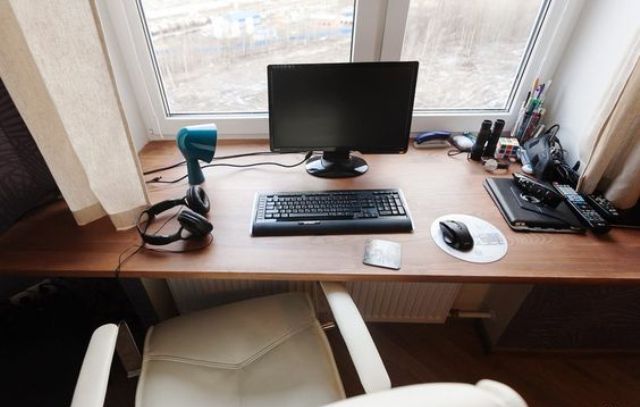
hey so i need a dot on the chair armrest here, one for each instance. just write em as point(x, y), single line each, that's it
point(363, 351)
point(91, 386)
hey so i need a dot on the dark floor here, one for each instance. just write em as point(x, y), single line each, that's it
point(418, 353)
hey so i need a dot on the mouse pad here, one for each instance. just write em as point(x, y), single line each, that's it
point(489, 244)
point(382, 253)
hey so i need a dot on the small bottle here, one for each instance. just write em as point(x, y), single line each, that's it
point(481, 140)
point(492, 143)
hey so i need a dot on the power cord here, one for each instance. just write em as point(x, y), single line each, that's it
point(178, 164)
point(223, 157)
point(159, 180)
point(454, 151)
point(564, 172)
point(123, 259)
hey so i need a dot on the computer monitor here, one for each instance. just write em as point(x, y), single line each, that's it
point(339, 108)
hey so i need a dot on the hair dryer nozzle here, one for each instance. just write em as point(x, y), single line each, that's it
point(197, 143)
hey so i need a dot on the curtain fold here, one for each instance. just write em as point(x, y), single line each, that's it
point(613, 165)
point(54, 63)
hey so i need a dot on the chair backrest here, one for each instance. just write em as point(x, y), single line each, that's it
point(486, 393)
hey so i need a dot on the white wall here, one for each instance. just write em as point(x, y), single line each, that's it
point(599, 43)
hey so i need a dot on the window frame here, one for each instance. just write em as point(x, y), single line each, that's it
point(379, 27)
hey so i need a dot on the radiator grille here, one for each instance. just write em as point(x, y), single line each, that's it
point(377, 301)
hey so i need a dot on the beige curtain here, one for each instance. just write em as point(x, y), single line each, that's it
point(614, 163)
point(54, 64)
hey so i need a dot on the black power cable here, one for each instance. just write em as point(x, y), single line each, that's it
point(159, 180)
point(223, 157)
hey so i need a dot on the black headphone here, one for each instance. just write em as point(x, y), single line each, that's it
point(192, 220)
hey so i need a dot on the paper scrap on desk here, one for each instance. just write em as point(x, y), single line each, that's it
point(382, 253)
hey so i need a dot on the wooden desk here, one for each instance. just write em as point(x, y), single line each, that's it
point(49, 243)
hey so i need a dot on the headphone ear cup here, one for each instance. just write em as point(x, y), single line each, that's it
point(194, 223)
point(197, 200)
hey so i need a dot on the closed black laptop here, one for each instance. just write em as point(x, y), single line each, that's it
point(522, 213)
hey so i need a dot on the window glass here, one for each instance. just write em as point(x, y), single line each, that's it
point(470, 51)
point(211, 55)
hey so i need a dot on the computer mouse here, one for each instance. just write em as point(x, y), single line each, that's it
point(456, 234)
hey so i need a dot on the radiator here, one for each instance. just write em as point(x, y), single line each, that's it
point(377, 301)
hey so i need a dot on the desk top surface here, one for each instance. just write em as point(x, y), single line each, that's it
point(48, 242)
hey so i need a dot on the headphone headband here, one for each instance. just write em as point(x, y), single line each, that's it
point(160, 207)
point(191, 220)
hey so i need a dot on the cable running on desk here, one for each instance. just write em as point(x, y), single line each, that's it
point(224, 157)
point(159, 180)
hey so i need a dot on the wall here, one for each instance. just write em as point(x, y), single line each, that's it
point(597, 47)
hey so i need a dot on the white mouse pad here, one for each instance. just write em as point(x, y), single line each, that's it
point(489, 244)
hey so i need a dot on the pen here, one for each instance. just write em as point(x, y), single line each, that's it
point(546, 87)
point(534, 87)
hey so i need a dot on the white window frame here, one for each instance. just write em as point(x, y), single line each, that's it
point(379, 27)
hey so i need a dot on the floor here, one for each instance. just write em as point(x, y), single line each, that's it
point(416, 353)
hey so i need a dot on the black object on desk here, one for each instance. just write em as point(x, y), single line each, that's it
point(492, 142)
point(620, 218)
point(330, 212)
point(456, 234)
point(582, 209)
point(478, 146)
point(538, 189)
point(339, 108)
point(525, 213)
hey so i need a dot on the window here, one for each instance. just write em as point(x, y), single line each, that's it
point(205, 60)
point(211, 56)
point(470, 52)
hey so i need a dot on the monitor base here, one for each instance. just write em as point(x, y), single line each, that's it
point(339, 164)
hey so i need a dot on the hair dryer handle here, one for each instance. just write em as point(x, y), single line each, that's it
point(196, 177)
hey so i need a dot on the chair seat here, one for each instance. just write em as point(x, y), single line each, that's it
point(268, 351)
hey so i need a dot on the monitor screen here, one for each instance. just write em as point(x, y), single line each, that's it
point(365, 107)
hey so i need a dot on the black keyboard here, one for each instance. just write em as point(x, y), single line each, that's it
point(330, 212)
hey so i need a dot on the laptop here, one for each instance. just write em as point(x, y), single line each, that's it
point(525, 213)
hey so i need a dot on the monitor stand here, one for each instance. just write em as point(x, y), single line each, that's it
point(336, 164)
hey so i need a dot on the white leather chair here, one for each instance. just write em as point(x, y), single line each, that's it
point(268, 351)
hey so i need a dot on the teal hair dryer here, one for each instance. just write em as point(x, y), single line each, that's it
point(197, 143)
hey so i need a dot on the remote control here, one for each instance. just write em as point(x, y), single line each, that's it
point(538, 189)
point(585, 212)
point(604, 207)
